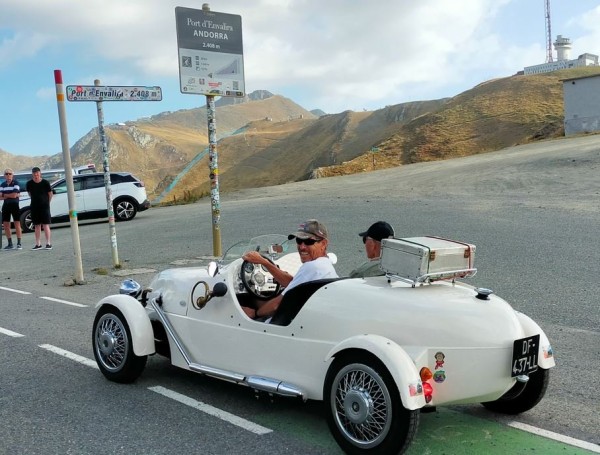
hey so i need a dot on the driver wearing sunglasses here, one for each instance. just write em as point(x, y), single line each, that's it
point(311, 241)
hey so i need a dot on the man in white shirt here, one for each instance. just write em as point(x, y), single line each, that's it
point(311, 241)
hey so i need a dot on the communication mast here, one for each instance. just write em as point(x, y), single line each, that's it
point(548, 31)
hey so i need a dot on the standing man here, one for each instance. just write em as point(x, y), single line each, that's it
point(40, 193)
point(10, 208)
point(372, 239)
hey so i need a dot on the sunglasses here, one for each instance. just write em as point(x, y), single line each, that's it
point(307, 242)
point(8, 173)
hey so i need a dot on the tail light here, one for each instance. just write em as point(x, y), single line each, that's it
point(426, 376)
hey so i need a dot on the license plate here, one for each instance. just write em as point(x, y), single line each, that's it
point(525, 355)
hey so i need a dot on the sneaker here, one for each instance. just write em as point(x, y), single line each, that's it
point(9, 247)
point(37, 247)
point(19, 247)
point(48, 246)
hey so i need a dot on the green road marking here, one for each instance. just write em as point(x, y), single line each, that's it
point(444, 432)
point(456, 433)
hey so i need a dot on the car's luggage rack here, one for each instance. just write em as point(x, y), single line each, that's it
point(430, 277)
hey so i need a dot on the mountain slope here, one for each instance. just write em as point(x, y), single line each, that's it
point(493, 115)
point(158, 148)
point(271, 153)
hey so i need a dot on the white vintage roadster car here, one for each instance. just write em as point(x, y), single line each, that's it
point(375, 350)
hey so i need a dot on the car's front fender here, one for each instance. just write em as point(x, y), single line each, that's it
point(142, 335)
point(396, 360)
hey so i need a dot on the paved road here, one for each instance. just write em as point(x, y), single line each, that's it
point(532, 211)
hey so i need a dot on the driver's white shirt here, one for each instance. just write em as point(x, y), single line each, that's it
point(313, 270)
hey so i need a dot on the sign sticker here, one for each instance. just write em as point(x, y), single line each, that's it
point(118, 93)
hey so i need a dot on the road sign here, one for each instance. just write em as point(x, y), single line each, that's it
point(211, 56)
point(119, 93)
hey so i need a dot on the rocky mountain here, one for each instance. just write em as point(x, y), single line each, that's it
point(268, 139)
point(19, 162)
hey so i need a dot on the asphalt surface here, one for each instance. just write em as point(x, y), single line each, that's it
point(532, 211)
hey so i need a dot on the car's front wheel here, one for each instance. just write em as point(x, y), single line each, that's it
point(113, 348)
point(515, 403)
point(125, 209)
point(364, 409)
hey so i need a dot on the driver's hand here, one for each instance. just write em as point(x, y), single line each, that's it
point(254, 257)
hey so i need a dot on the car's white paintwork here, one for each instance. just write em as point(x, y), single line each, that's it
point(403, 326)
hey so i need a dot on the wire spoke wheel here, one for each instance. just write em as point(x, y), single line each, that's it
point(113, 348)
point(362, 404)
point(365, 413)
point(112, 342)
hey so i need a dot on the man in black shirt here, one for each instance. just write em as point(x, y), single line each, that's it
point(41, 194)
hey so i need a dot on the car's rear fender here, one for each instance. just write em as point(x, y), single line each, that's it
point(545, 353)
point(142, 335)
point(395, 359)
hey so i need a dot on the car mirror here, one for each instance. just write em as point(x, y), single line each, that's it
point(275, 249)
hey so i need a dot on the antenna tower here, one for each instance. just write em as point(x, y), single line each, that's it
point(548, 31)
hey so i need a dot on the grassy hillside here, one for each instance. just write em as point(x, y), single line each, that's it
point(493, 115)
point(159, 148)
point(271, 153)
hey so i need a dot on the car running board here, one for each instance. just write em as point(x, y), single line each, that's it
point(262, 384)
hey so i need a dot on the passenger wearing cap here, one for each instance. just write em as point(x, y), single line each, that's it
point(372, 238)
point(311, 241)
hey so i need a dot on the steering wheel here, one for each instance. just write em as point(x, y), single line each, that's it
point(258, 281)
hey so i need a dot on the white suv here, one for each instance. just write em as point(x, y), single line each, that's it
point(128, 193)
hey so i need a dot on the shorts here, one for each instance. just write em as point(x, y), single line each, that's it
point(9, 210)
point(40, 216)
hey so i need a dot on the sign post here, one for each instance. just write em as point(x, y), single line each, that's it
point(211, 63)
point(98, 94)
point(64, 137)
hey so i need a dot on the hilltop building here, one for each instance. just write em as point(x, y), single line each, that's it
point(582, 104)
point(563, 48)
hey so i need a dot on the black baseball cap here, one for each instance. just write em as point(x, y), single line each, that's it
point(379, 230)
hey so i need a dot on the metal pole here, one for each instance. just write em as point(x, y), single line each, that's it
point(214, 174)
point(64, 137)
point(213, 166)
point(109, 200)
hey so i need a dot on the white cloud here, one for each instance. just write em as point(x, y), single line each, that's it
point(21, 46)
point(333, 50)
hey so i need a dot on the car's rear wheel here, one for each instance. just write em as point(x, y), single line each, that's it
point(531, 395)
point(364, 409)
point(26, 221)
point(125, 209)
point(113, 348)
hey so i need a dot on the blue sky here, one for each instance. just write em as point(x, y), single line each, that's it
point(334, 55)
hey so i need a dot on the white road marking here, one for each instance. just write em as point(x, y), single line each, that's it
point(66, 302)
point(10, 333)
point(14, 290)
point(555, 436)
point(69, 355)
point(215, 412)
